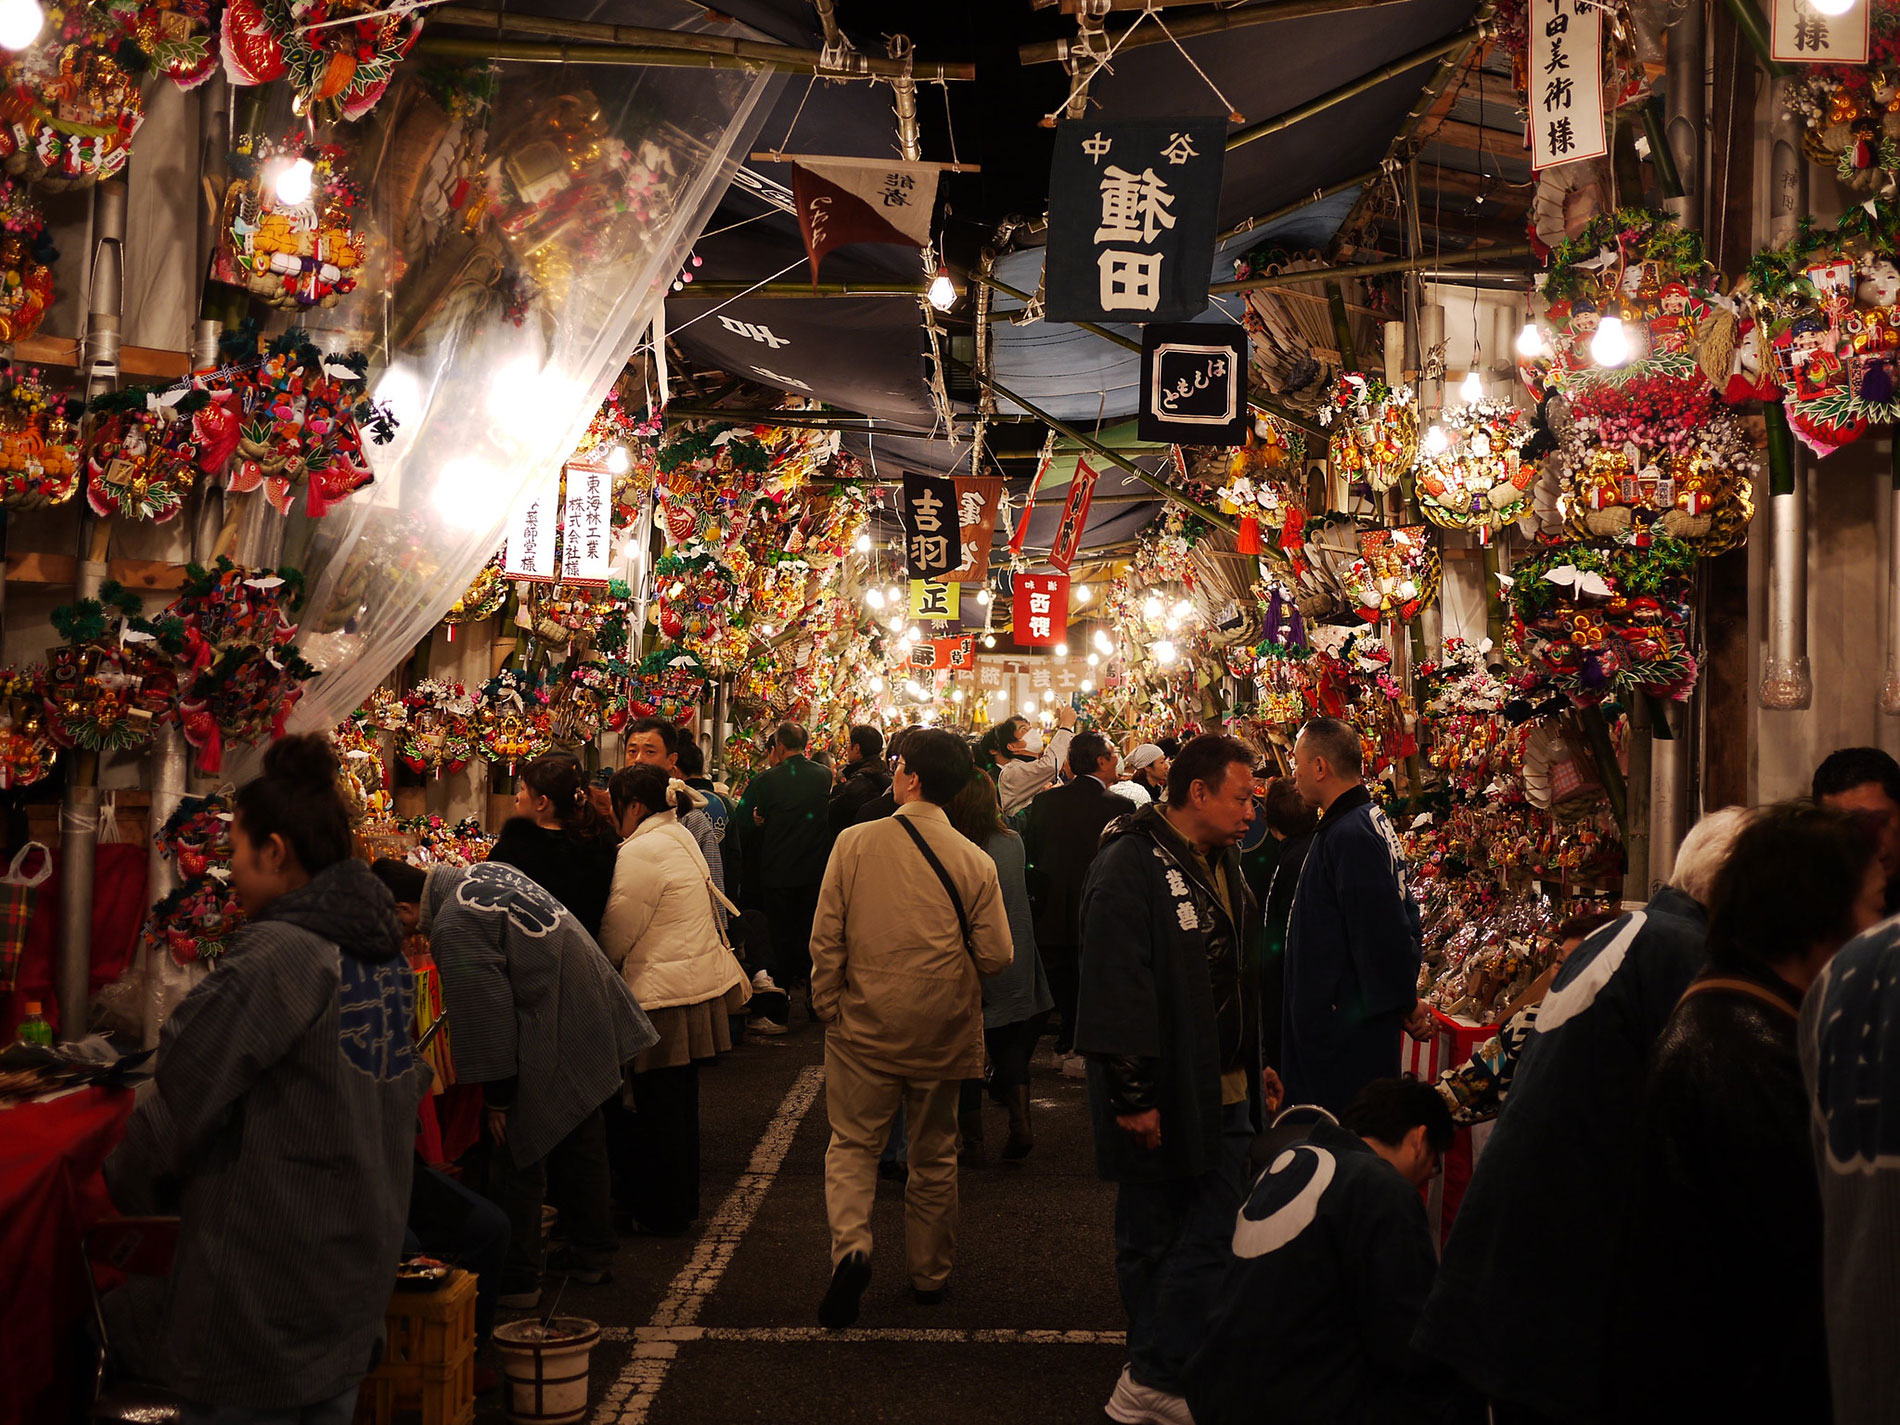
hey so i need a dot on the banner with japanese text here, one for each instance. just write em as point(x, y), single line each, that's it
point(933, 545)
point(846, 200)
point(1805, 34)
point(1133, 211)
point(1041, 614)
point(529, 553)
point(977, 499)
point(1565, 63)
point(1194, 384)
point(1075, 516)
point(940, 653)
point(932, 600)
point(587, 526)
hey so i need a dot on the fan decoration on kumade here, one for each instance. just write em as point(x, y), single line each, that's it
point(1644, 357)
point(1600, 622)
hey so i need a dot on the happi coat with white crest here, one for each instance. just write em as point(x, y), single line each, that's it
point(530, 996)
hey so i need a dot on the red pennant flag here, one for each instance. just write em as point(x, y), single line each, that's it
point(1029, 506)
point(1248, 541)
point(846, 200)
point(1074, 516)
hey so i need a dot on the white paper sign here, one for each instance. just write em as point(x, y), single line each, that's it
point(587, 526)
point(1565, 62)
point(530, 550)
point(1803, 35)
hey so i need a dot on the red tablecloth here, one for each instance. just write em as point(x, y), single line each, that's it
point(50, 1190)
point(1446, 1049)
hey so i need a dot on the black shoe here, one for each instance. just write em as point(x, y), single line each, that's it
point(894, 1171)
point(840, 1306)
point(929, 1298)
point(571, 1266)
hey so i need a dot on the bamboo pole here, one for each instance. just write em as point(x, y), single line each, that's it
point(677, 48)
point(1358, 180)
point(1474, 258)
point(1457, 43)
point(1188, 26)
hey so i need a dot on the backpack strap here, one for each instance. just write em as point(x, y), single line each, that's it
point(1741, 987)
point(950, 887)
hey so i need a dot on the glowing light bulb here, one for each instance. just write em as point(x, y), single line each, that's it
point(983, 597)
point(294, 182)
point(989, 640)
point(912, 688)
point(894, 594)
point(1152, 607)
point(915, 633)
point(943, 292)
point(1048, 695)
point(1611, 344)
point(1472, 388)
point(1081, 594)
point(1832, 7)
point(619, 462)
point(22, 20)
point(1095, 660)
point(956, 695)
point(1103, 643)
point(1436, 441)
point(864, 544)
point(897, 625)
point(1184, 608)
point(874, 597)
point(1030, 710)
point(1087, 686)
point(1163, 652)
point(877, 686)
point(1530, 341)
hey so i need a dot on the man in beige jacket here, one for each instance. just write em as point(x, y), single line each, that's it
point(895, 981)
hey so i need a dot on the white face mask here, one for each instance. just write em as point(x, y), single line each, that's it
point(1032, 744)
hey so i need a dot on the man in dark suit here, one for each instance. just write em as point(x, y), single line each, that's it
point(1061, 834)
point(785, 814)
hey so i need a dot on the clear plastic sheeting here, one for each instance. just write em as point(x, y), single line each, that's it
point(521, 241)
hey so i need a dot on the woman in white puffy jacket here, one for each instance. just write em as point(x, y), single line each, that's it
point(662, 929)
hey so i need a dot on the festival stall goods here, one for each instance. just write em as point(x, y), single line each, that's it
point(1827, 306)
point(667, 683)
point(70, 105)
point(1598, 622)
point(240, 676)
point(197, 919)
point(511, 720)
point(1471, 474)
point(1851, 113)
point(337, 55)
point(1263, 482)
point(40, 446)
point(176, 37)
point(439, 842)
point(138, 464)
point(483, 599)
point(1374, 430)
point(437, 734)
point(286, 232)
point(361, 774)
point(27, 748)
point(26, 262)
point(110, 682)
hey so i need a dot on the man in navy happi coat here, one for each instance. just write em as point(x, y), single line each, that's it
point(1353, 946)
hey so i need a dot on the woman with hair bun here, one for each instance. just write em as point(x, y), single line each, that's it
point(558, 838)
point(662, 928)
point(281, 1129)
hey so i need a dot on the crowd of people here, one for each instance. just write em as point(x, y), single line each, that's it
point(1682, 1210)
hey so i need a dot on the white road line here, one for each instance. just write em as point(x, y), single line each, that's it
point(677, 1335)
point(630, 1397)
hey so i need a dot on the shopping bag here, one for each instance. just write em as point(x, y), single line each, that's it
point(18, 890)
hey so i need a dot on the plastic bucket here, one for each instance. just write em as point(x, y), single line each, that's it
point(545, 1368)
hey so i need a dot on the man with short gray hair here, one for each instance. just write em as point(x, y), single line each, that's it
point(1353, 943)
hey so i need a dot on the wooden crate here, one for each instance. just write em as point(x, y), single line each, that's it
point(428, 1366)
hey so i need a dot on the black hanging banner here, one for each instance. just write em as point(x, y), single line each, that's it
point(1194, 384)
point(1133, 211)
point(933, 539)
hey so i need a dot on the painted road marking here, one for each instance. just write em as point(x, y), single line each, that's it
point(630, 1398)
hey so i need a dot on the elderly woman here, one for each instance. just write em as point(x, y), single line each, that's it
point(663, 930)
point(541, 1021)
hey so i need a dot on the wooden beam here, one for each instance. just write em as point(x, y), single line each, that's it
point(1455, 133)
point(133, 360)
point(60, 571)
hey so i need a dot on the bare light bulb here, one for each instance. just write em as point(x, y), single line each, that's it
point(956, 695)
point(983, 597)
point(874, 597)
point(915, 633)
point(943, 292)
point(1062, 650)
point(1436, 441)
point(1530, 341)
point(1472, 388)
point(877, 685)
point(1095, 660)
point(20, 23)
point(294, 182)
point(989, 640)
point(864, 544)
point(1152, 608)
point(1611, 344)
point(1081, 594)
point(1087, 686)
point(1832, 7)
point(1184, 608)
point(897, 625)
point(1163, 652)
point(619, 462)
point(1103, 643)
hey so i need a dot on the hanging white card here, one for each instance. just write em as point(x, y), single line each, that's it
point(587, 526)
point(1565, 61)
point(1803, 35)
point(530, 550)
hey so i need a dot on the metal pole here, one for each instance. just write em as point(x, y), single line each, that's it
point(1477, 257)
point(1786, 681)
point(167, 778)
point(79, 817)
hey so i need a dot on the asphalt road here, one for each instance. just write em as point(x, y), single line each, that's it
point(720, 1326)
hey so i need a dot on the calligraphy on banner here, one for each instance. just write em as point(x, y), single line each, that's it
point(587, 526)
point(1041, 614)
point(977, 499)
point(846, 200)
point(932, 600)
point(529, 553)
point(933, 541)
point(1802, 34)
point(1194, 384)
point(1133, 209)
point(1075, 516)
point(942, 653)
point(1565, 62)
point(1068, 679)
point(989, 674)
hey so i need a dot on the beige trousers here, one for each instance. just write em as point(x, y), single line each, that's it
point(862, 1103)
